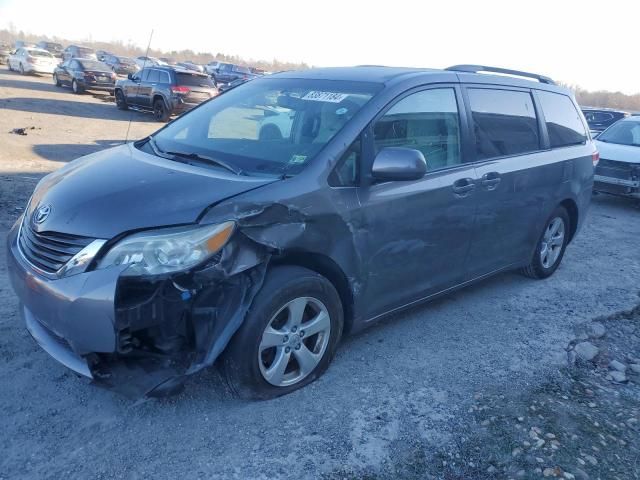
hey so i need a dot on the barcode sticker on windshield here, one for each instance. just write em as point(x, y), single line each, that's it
point(330, 97)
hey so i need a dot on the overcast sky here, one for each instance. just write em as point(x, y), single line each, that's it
point(594, 45)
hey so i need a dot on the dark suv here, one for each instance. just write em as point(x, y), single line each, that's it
point(165, 91)
point(228, 72)
point(599, 119)
point(375, 189)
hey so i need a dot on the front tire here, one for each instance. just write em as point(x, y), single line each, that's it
point(551, 246)
point(289, 336)
point(77, 89)
point(121, 101)
point(56, 81)
point(22, 69)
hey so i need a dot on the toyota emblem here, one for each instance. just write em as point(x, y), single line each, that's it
point(41, 214)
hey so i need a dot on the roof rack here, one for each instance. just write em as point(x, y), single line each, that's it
point(504, 71)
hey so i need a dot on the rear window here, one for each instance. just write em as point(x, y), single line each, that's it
point(91, 65)
point(85, 52)
point(125, 61)
point(39, 53)
point(194, 80)
point(241, 69)
point(504, 122)
point(563, 120)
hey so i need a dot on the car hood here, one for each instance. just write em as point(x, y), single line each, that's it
point(619, 153)
point(123, 189)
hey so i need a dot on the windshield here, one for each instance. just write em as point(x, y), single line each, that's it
point(91, 65)
point(268, 126)
point(125, 60)
point(625, 132)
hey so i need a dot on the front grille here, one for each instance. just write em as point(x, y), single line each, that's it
point(49, 251)
point(614, 169)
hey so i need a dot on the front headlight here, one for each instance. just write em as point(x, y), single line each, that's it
point(167, 250)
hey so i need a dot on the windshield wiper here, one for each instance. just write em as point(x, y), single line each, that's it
point(204, 158)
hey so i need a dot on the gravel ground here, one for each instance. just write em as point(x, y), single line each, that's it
point(401, 400)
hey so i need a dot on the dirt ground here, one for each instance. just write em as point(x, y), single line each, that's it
point(466, 387)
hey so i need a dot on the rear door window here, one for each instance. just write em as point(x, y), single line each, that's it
point(504, 122)
point(563, 120)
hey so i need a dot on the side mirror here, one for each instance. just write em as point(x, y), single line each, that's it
point(130, 76)
point(399, 163)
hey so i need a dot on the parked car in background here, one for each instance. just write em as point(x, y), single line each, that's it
point(167, 61)
point(22, 44)
point(121, 65)
point(5, 51)
point(211, 67)
point(102, 54)
point(395, 186)
point(32, 60)
point(53, 48)
point(618, 171)
point(191, 66)
point(228, 72)
point(84, 74)
point(75, 51)
point(164, 91)
point(599, 119)
point(225, 87)
point(143, 62)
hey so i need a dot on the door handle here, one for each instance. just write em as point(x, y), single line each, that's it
point(463, 186)
point(491, 180)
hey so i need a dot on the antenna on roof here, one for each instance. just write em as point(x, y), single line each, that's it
point(146, 58)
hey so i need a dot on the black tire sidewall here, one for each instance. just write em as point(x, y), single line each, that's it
point(282, 284)
point(77, 89)
point(536, 264)
point(122, 105)
point(165, 116)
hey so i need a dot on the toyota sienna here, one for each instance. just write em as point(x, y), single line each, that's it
point(260, 227)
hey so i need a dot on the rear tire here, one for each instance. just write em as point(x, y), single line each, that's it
point(249, 360)
point(160, 111)
point(551, 246)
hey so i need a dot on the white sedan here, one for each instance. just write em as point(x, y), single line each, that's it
point(32, 60)
point(618, 171)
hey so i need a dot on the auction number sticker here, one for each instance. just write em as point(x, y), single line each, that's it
point(330, 97)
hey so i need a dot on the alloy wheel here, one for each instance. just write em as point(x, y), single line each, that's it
point(294, 341)
point(552, 242)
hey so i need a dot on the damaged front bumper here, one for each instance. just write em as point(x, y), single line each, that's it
point(139, 335)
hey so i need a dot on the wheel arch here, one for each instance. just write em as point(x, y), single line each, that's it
point(329, 269)
point(572, 209)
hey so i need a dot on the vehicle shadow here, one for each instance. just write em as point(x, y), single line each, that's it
point(103, 111)
point(28, 85)
point(65, 152)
